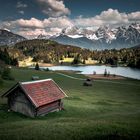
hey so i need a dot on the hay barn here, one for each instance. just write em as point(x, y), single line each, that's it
point(35, 98)
point(88, 82)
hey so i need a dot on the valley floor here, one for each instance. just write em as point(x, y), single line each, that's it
point(107, 110)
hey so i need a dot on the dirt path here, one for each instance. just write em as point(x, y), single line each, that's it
point(70, 76)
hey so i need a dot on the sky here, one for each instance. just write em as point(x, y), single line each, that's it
point(31, 18)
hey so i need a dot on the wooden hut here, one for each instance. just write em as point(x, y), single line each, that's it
point(35, 98)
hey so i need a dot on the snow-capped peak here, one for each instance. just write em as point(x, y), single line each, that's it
point(7, 29)
point(136, 26)
point(71, 30)
point(75, 36)
point(103, 34)
point(92, 37)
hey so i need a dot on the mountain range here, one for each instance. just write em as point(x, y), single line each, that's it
point(103, 38)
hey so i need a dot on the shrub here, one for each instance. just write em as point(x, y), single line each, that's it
point(94, 72)
point(114, 75)
point(6, 74)
point(108, 73)
point(47, 69)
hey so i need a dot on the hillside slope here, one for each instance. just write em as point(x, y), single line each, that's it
point(9, 38)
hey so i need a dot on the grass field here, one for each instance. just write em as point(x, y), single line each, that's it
point(88, 62)
point(107, 110)
point(68, 60)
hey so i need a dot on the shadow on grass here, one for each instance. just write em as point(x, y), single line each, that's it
point(74, 98)
point(11, 116)
point(3, 107)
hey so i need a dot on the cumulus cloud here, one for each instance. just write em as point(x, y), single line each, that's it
point(32, 33)
point(32, 23)
point(53, 8)
point(33, 27)
point(60, 22)
point(109, 17)
point(21, 5)
point(112, 15)
point(134, 16)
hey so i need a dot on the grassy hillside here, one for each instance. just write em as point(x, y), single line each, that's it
point(107, 110)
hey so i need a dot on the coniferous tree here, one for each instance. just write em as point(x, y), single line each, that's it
point(105, 72)
point(37, 66)
point(76, 59)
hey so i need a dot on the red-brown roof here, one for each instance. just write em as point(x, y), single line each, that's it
point(42, 92)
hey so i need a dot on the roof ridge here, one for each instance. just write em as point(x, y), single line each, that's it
point(37, 81)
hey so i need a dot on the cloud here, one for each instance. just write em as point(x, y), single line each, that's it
point(134, 16)
point(21, 5)
point(60, 22)
point(33, 27)
point(32, 23)
point(49, 26)
point(109, 17)
point(32, 33)
point(53, 8)
point(112, 16)
point(21, 12)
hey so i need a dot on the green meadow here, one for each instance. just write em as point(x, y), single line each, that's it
point(110, 109)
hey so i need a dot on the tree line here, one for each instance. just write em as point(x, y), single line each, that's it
point(127, 57)
point(48, 51)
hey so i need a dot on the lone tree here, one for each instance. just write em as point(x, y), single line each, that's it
point(36, 66)
point(105, 72)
